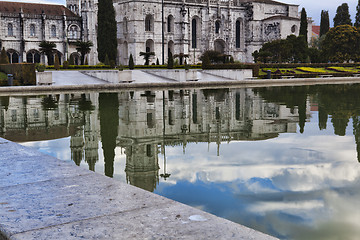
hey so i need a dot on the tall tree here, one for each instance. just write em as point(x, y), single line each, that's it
point(109, 122)
point(4, 59)
point(48, 48)
point(324, 22)
point(83, 48)
point(357, 17)
point(342, 16)
point(106, 38)
point(340, 49)
point(303, 24)
point(131, 62)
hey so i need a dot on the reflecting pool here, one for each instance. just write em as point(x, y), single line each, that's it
point(282, 160)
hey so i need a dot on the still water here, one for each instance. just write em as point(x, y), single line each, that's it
point(282, 160)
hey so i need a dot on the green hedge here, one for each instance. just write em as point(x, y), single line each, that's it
point(194, 66)
point(88, 67)
point(81, 67)
point(24, 72)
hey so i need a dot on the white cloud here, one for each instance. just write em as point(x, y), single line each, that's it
point(62, 2)
point(313, 8)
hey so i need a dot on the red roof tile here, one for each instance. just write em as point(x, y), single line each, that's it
point(35, 8)
point(316, 29)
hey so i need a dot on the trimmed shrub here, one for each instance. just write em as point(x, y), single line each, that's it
point(131, 62)
point(57, 63)
point(65, 65)
point(72, 60)
point(40, 67)
point(4, 59)
point(107, 61)
point(170, 64)
point(112, 64)
point(23, 72)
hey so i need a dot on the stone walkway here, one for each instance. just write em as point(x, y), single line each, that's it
point(43, 198)
point(63, 78)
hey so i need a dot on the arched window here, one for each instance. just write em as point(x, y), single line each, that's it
point(217, 27)
point(125, 25)
point(149, 23)
point(33, 56)
point(10, 30)
point(13, 56)
point(237, 34)
point(73, 32)
point(193, 33)
point(32, 30)
point(53, 31)
point(170, 23)
point(149, 45)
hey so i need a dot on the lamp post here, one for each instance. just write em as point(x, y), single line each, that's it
point(162, 37)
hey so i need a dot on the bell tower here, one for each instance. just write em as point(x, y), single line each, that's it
point(73, 5)
point(89, 10)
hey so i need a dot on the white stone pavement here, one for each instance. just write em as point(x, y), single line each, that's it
point(43, 198)
point(63, 78)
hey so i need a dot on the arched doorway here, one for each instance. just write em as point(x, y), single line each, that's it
point(13, 56)
point(33, 56)
point(74, 58)
point(149, 45)
point(52, 60)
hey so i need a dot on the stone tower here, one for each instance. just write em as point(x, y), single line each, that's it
point(89, 9)
point(73, 5)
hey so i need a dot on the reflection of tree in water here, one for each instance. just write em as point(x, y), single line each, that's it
point(4, 101)
point(49, 103)
point(84, 104)
point(109, 121)
point(341, 102)
point(291, 97)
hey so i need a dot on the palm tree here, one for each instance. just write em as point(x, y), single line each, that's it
point(147, 56)
point(83, 47)
point(48, 48)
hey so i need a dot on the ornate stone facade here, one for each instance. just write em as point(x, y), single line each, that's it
point(233, 27)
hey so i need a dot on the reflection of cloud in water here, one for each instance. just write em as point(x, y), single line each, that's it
point(294, 186)
point(59, 148)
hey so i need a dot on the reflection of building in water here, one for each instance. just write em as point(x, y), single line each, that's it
point(142, 165)
point(176, 117)
point(53, 117)
point(148, 122)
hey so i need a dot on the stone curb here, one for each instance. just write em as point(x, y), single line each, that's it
point(44, 198)
point(191, 84)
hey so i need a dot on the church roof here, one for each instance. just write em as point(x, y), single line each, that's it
point(35, 8)
point(269, 2)
point(282, 17)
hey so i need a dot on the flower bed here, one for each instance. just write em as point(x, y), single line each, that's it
point(344, 69)
point(312, 70)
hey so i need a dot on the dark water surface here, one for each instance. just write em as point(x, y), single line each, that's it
point(282, 160)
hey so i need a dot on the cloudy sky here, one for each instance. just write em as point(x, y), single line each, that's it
point(313, 8)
